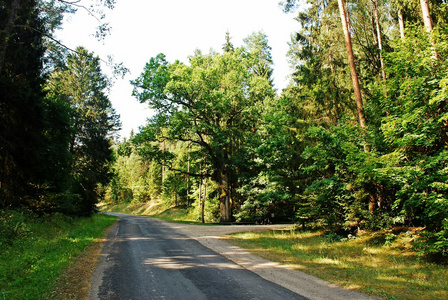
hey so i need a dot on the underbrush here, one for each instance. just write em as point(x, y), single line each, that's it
point(36, 250)
point(380, 263)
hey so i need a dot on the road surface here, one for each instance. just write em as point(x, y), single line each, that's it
point(145, 258)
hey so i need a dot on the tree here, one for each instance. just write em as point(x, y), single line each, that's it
point(351, 60)
point(379, 36)
point(258, 47)
point(228, 46)
point(94, 121)
point(51, 14)
point(6, 33)
point(36, 123)
point(211, 103)
point(426, 16)
point(400, 178)
point(21, 103)
point(427, 21)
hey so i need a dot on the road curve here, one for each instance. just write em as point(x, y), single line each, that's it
point(145, 258)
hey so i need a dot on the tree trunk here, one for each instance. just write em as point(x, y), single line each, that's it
point(354, 75)
point(229, 202)
point(200, 195)
point(163, 163)
point(379, 38)
point(351, 60)
point(401, 24)
point(426, 16)
point(224, 199)
point(203, 201)
point(15, 5)
point(188, 177)
point(380, 47)
point(428, 23)
point(372, 203)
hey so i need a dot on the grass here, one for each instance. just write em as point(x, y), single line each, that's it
point(32, 263)
point(372, 263)
point(158, 211)
point(148, 208)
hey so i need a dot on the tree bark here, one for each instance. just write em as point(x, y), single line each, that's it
point(354, 75)
point(188, 177)
point(428, 23)
point(351, 60)
point(224, 197)
point(163, 164)
point(401, 24)
point(203, 200)
point(426, 16)
point(379, 38)
point(15, 5)
point(200, 195)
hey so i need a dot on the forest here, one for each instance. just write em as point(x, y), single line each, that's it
point(358, 139)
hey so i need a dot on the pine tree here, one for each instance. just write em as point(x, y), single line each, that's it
point(84, 87)
point(21, 102)
point(228, 46)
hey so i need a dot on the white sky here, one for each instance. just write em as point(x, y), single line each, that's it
point(143, 28)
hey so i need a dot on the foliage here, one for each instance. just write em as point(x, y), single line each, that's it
point(39, 123)
point(302, 156)
point(82, 86)
point(222, 142)
point(415, 132)
point(392, 172)
point(13, 227)
point(41, 248)
point(213, 104)
point(21, 106)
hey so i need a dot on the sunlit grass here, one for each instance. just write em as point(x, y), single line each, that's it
point(159, 211)
point(33, 263)
point(389, 271)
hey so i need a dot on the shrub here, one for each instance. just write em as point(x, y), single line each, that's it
point(12, 227)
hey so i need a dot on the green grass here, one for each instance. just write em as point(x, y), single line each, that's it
point(32, 261)
point(158, 211)
point(371, 263)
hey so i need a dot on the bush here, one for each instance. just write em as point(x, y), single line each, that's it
point(433, 245)
point(12, 227)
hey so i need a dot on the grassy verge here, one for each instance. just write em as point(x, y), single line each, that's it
point(153, 210)
point(33, 261)
point(379, 264)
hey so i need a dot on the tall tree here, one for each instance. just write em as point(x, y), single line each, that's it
point(35, 126)
point(426, 15)
point(351, 59)
point(258, 46)
point(379, 36)
point(212, 103)
point(84, 86)
point(5, 34)
point(228, 46)
point(21, 101)
point(428, 22)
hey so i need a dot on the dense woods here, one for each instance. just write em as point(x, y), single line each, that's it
point(56, 118)
point(358, 140)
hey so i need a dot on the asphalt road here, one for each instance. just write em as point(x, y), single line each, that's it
point(145, 258)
